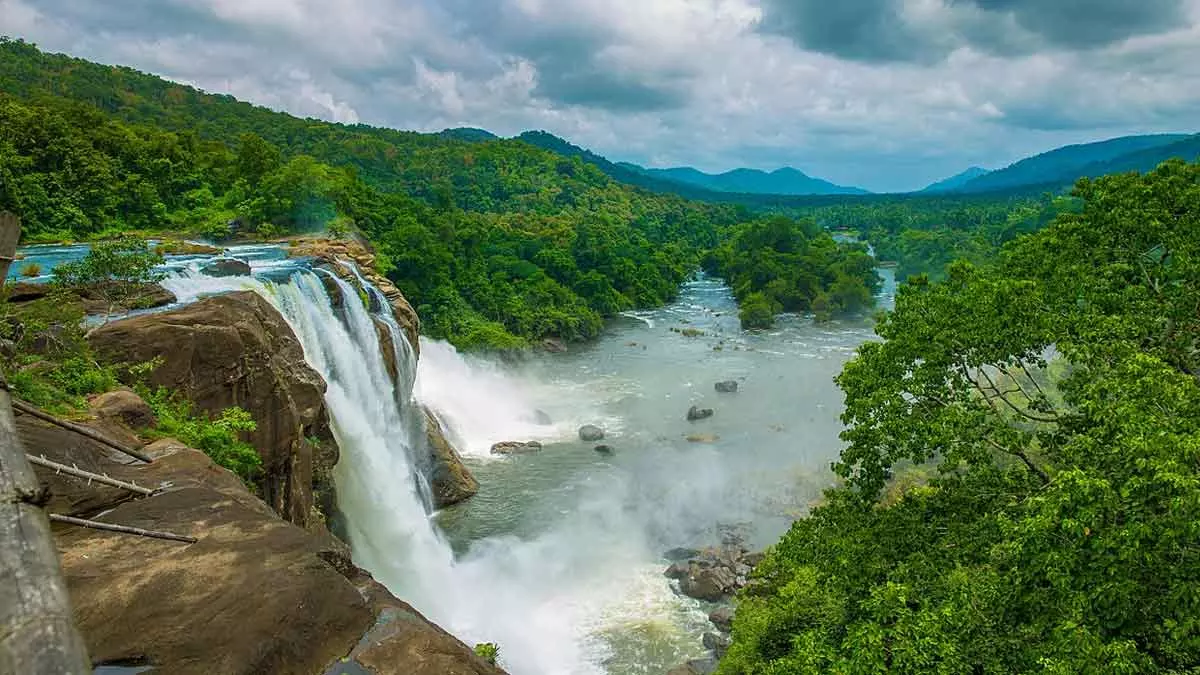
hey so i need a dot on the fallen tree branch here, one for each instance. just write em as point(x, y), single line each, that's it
point(79, 429)
point(124, 529)
point(88, 475)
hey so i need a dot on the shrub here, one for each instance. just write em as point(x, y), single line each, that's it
point(217, 438)
point(31, 270)
point(488, 651)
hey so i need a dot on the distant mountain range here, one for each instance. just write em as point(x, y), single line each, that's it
point(1050, 171)
point(956, 181)
point(1063, 166)
point(785, 181)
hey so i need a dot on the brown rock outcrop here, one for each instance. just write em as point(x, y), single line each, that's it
point(253, 595)
point(237, 350)
point(332, 253)
point(452, 482)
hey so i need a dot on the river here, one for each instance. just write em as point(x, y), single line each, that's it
point(564, 547)
point(559, 558)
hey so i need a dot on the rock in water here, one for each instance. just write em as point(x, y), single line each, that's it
point(604, 449)
point(451, 481)
point(540, 417)
point(226, 267)
point(726, 387)
point(677, 554)
point(696, 413)
point(722, 618)
point(590, 433)
point(515, 447)
point(708, 583)
point(554, 345)
point(678, 570)
point(703, 438)
point(719, 644)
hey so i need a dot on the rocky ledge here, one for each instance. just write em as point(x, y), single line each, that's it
point(334, 253)
point(254, 593)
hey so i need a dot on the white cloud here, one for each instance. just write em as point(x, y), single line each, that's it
point(660, 81)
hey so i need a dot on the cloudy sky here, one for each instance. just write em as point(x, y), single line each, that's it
point(885, 94)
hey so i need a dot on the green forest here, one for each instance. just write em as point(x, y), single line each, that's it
point(496, 243)
point(1020, 488)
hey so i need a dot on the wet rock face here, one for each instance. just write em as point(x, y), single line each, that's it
point(237, 350)
point(452, 482)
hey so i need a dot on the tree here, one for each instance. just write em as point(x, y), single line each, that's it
point(1050, 407)
point(116, 272)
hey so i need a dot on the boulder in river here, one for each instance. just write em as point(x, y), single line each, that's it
point(677, 554)
point(554, 345)
point(604, 449)
point(718, 643)
point(515, 447)
point(226, 267)
point(726, 387)
point(695, 667)
point(591, 433)
point(697, 413)
point(722, 618)
point(709, 583)
point(540, 417)
point(703, 438)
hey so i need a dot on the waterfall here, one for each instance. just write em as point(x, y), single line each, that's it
point(381, 490)
point(542, 600)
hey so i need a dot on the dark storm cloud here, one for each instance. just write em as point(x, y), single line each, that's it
point(1082, 24)
point(889, 30)
point(864, 30)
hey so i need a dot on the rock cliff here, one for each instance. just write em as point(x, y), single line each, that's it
point(236, 349)
point(254, 594)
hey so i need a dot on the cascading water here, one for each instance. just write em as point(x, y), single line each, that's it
point(384, 499)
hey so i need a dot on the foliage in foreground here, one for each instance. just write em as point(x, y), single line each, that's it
point(1057, 395)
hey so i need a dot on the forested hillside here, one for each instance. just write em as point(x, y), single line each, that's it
point(1022, 477)
point(496, 242)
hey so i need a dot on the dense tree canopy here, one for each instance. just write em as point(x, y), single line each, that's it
point(1055, 393)
point(777, 264)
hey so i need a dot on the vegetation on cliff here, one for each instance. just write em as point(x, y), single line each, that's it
point(1056, 394)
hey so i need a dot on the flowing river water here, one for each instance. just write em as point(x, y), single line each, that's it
point(559, 558)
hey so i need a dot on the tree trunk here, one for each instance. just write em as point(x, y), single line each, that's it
point(37, 631)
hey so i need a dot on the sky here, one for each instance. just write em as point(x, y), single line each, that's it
point(888, 95)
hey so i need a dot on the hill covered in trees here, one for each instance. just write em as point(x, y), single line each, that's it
point(497, 242)
point(1022, 483)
